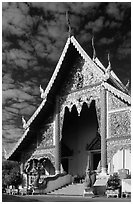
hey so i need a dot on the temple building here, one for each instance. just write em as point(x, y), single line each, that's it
point(82, 122)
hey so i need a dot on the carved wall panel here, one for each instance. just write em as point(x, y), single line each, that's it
point(114, 145)
point(114, 102)
point(119, 124)
point(46, 134)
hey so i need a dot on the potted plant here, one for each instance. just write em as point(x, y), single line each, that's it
point(113, 185)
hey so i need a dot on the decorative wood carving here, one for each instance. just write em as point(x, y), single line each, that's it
point(119, 124)
point(47, 136)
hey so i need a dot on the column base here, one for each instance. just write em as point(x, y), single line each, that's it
point(101, 182)
point(103, 173)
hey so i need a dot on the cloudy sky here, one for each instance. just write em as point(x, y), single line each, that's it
point(34, 35)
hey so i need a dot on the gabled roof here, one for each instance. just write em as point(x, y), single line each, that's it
point(100, 69)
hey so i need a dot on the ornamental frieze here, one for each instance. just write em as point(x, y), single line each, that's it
point(114, 102)
point(81, 75)
point(77, 99)
point(114, 145)
point(119, 123)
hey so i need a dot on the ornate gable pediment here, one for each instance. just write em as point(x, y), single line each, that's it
point(81, 74)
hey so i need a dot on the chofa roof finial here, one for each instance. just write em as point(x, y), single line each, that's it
point(68, 23)
point(24, 122)
point(109, 65)
point(94, 51)
point(127, 85)
point(42, 92)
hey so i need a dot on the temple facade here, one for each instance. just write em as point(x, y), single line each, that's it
point(82, 122)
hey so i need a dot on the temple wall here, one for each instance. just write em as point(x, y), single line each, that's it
point(119, 124)
point(119, 133)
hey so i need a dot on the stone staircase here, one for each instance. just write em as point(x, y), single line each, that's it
point(72, 190)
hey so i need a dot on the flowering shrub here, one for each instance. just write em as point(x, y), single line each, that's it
point(113, 182)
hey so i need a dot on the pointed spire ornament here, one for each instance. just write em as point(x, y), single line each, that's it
point(42, 92)
point(24, 122)
point(68, 23)
point(128, 83)
point(109, 64)
point(94, 51)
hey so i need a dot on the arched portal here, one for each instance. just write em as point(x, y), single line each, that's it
point(78, 133)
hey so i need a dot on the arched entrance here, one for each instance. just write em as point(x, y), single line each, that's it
point(78, 133)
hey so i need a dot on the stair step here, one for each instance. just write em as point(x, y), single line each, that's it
point(72, 189)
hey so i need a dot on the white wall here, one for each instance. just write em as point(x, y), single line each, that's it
point(128, 159)
point(120, 160)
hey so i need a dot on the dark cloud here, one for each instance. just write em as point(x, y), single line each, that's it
point(34, 34)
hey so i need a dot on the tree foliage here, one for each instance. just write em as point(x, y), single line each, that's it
point(11, 173)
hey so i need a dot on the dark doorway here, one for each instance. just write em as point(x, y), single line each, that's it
point(96, 159)
point(77, 131)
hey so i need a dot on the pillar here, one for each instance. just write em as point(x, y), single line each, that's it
point(57, 137)
point(103, 131)
point(21, 167)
